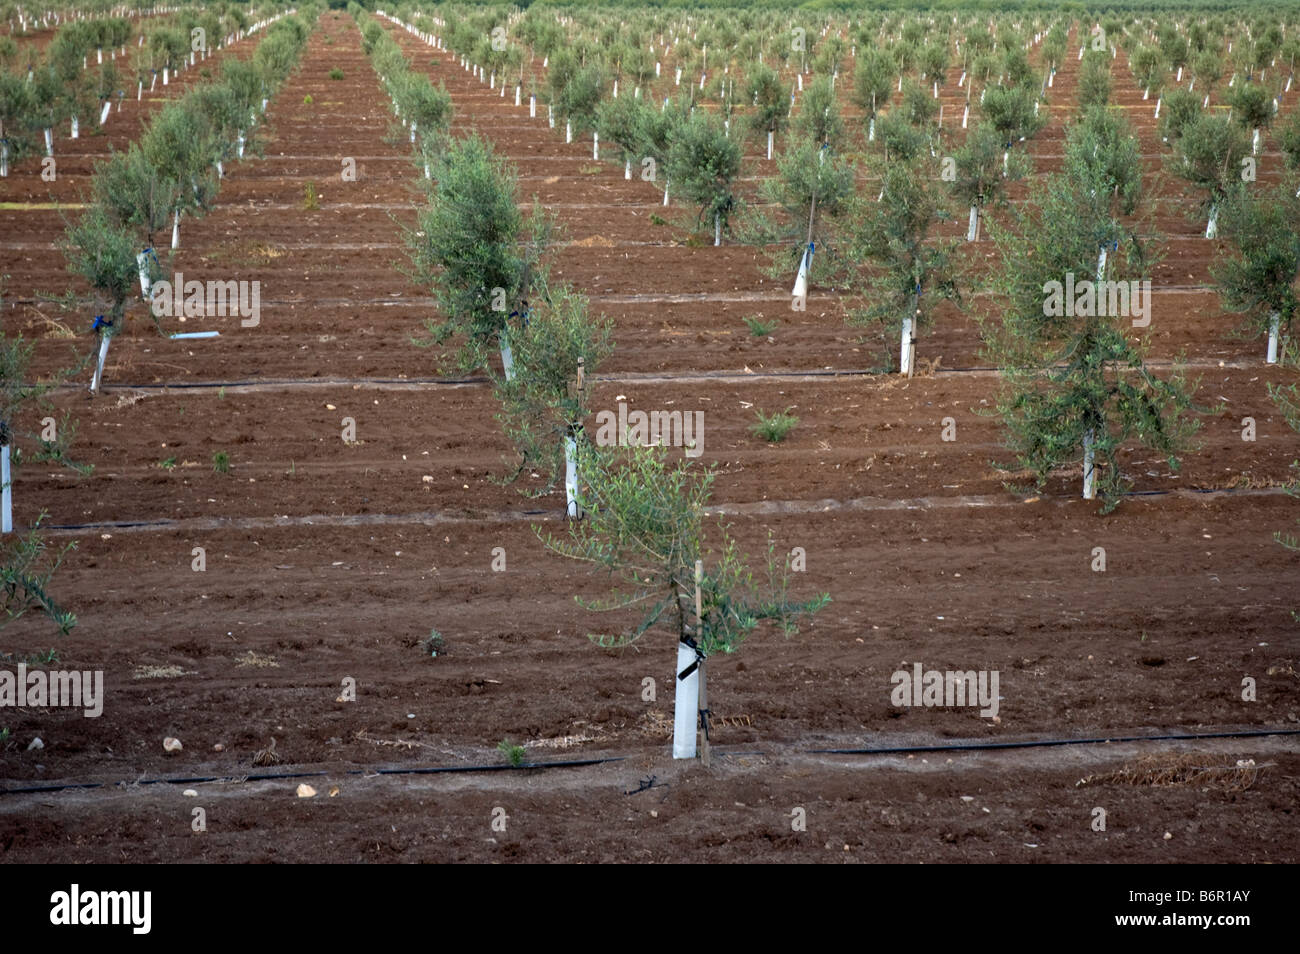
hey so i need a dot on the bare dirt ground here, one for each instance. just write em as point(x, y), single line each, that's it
point(326, 561)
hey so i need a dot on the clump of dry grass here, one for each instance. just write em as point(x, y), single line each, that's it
point(1224, 772)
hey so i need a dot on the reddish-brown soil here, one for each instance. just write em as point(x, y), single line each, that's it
point(326, 561)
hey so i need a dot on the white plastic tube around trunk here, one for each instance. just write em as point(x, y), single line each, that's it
point(7, 496)
point(103, 113)
point(49, 142)
point(139, 91)
point(568, 131)
point(1006, 160)
point(1254, 143)
point(95, 382)
point(239, 146)
point(801, 278)
point(1212, 227)
point(532, 105)
point(871, 130)
point(166, 76)
point(1159, 101)
point(615, 89)
point(75, 128)
point(4, 159)
point(1274, 326)
point(571, 477)
point(518, 93)
point(627, 168)
point(142, 261)
point(905, 352)
point(595, 145)
point(717, 228)
point(965, 116)
point(769, 143)
point(176, 229)
point(1089, 471)
point(507, 355)
point(678, 82)
point(686, 704)
point(1101, 265)
point(665, 191)
point(974, 223)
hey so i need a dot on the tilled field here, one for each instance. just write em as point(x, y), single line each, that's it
point(327, 561)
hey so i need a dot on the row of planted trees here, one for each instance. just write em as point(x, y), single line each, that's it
point(633, 512)
point(1077, 386)
point(175, 168)
point(76, 83)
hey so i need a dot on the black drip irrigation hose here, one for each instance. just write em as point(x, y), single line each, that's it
point(1045, 743)
point(276, 776)
point(586, 763)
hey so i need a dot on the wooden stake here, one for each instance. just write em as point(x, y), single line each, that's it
point(705, 754)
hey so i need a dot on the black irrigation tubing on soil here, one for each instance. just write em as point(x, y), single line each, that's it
point(274, 776)
point(1044, 743)
point(647, 377)
point(756, 508)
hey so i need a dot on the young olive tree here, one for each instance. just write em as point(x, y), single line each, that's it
point(543, 405)
point(478, 253)
point(103, 253)
point(704, 162)
point(645, 527)
point(903, 273)
point(873, 86)
point(1209, 155)
point(1073, 384)
point(769, 98)
point(1257, 276)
